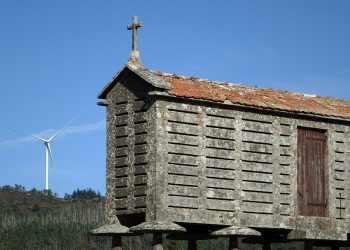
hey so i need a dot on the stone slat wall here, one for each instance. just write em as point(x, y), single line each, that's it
point(236, 165)
point(130, 146)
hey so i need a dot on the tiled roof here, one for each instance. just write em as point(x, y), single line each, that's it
point(203, 89)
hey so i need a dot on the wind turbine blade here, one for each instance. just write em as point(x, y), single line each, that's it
point(50, 153)
point(62, 128)
point(22, 132)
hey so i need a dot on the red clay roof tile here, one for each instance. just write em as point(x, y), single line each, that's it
point(191, 87)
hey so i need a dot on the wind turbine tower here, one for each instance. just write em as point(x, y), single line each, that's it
point(48, 152)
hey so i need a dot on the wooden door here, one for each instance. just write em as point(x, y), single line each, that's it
point(311, 172)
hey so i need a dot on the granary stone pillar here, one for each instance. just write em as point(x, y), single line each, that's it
point(192, 244)
point(233, 243)
point(308, 245)
point(157, 243)
point(191, 238)
point(266, 246)
point(266, 240)
point(157, 228)
point(117, 242)
point(233, 233)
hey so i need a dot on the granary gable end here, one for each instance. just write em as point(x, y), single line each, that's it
point(213, 159)
point(145, 75)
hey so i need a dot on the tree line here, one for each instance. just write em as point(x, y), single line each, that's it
point(78, 194)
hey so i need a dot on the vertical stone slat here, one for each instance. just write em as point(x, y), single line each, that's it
point(130, 152)
point(276, 128)
point(332, 202)
point(110, 164)
point(238, 164)
point(202, 160)
point(152, 161)
point(294, 168)
point(161, 167)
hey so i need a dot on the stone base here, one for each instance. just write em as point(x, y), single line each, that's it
point(112, 229)
point(157, 227)
point(302, 235)
point(236, 231)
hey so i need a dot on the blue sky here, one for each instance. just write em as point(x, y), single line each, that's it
point(55, 56)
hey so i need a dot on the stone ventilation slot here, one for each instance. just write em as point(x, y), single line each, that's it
point(140, 108)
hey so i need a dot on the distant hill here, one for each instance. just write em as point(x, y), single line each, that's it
point(17, 199)
point(40, 220)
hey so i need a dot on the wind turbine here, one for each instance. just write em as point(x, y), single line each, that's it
point(48, 152)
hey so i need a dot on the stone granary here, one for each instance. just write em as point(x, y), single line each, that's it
point(198, 159)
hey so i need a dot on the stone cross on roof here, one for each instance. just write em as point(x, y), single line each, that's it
point(134, 57)
point(134, 26)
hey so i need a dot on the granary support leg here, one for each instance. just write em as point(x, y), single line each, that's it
point(266, 246)
point(233, 232)
point(157, 241)
point(116, 230)
point(308, 245)
point(335, 248)
point(192, 244)
point(117, 242)
point(233, 243)
point(157, 228)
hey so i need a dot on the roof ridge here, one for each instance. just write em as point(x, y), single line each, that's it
point(186, 77)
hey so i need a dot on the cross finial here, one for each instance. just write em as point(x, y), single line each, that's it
point(134, 27)
point(134, 55)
